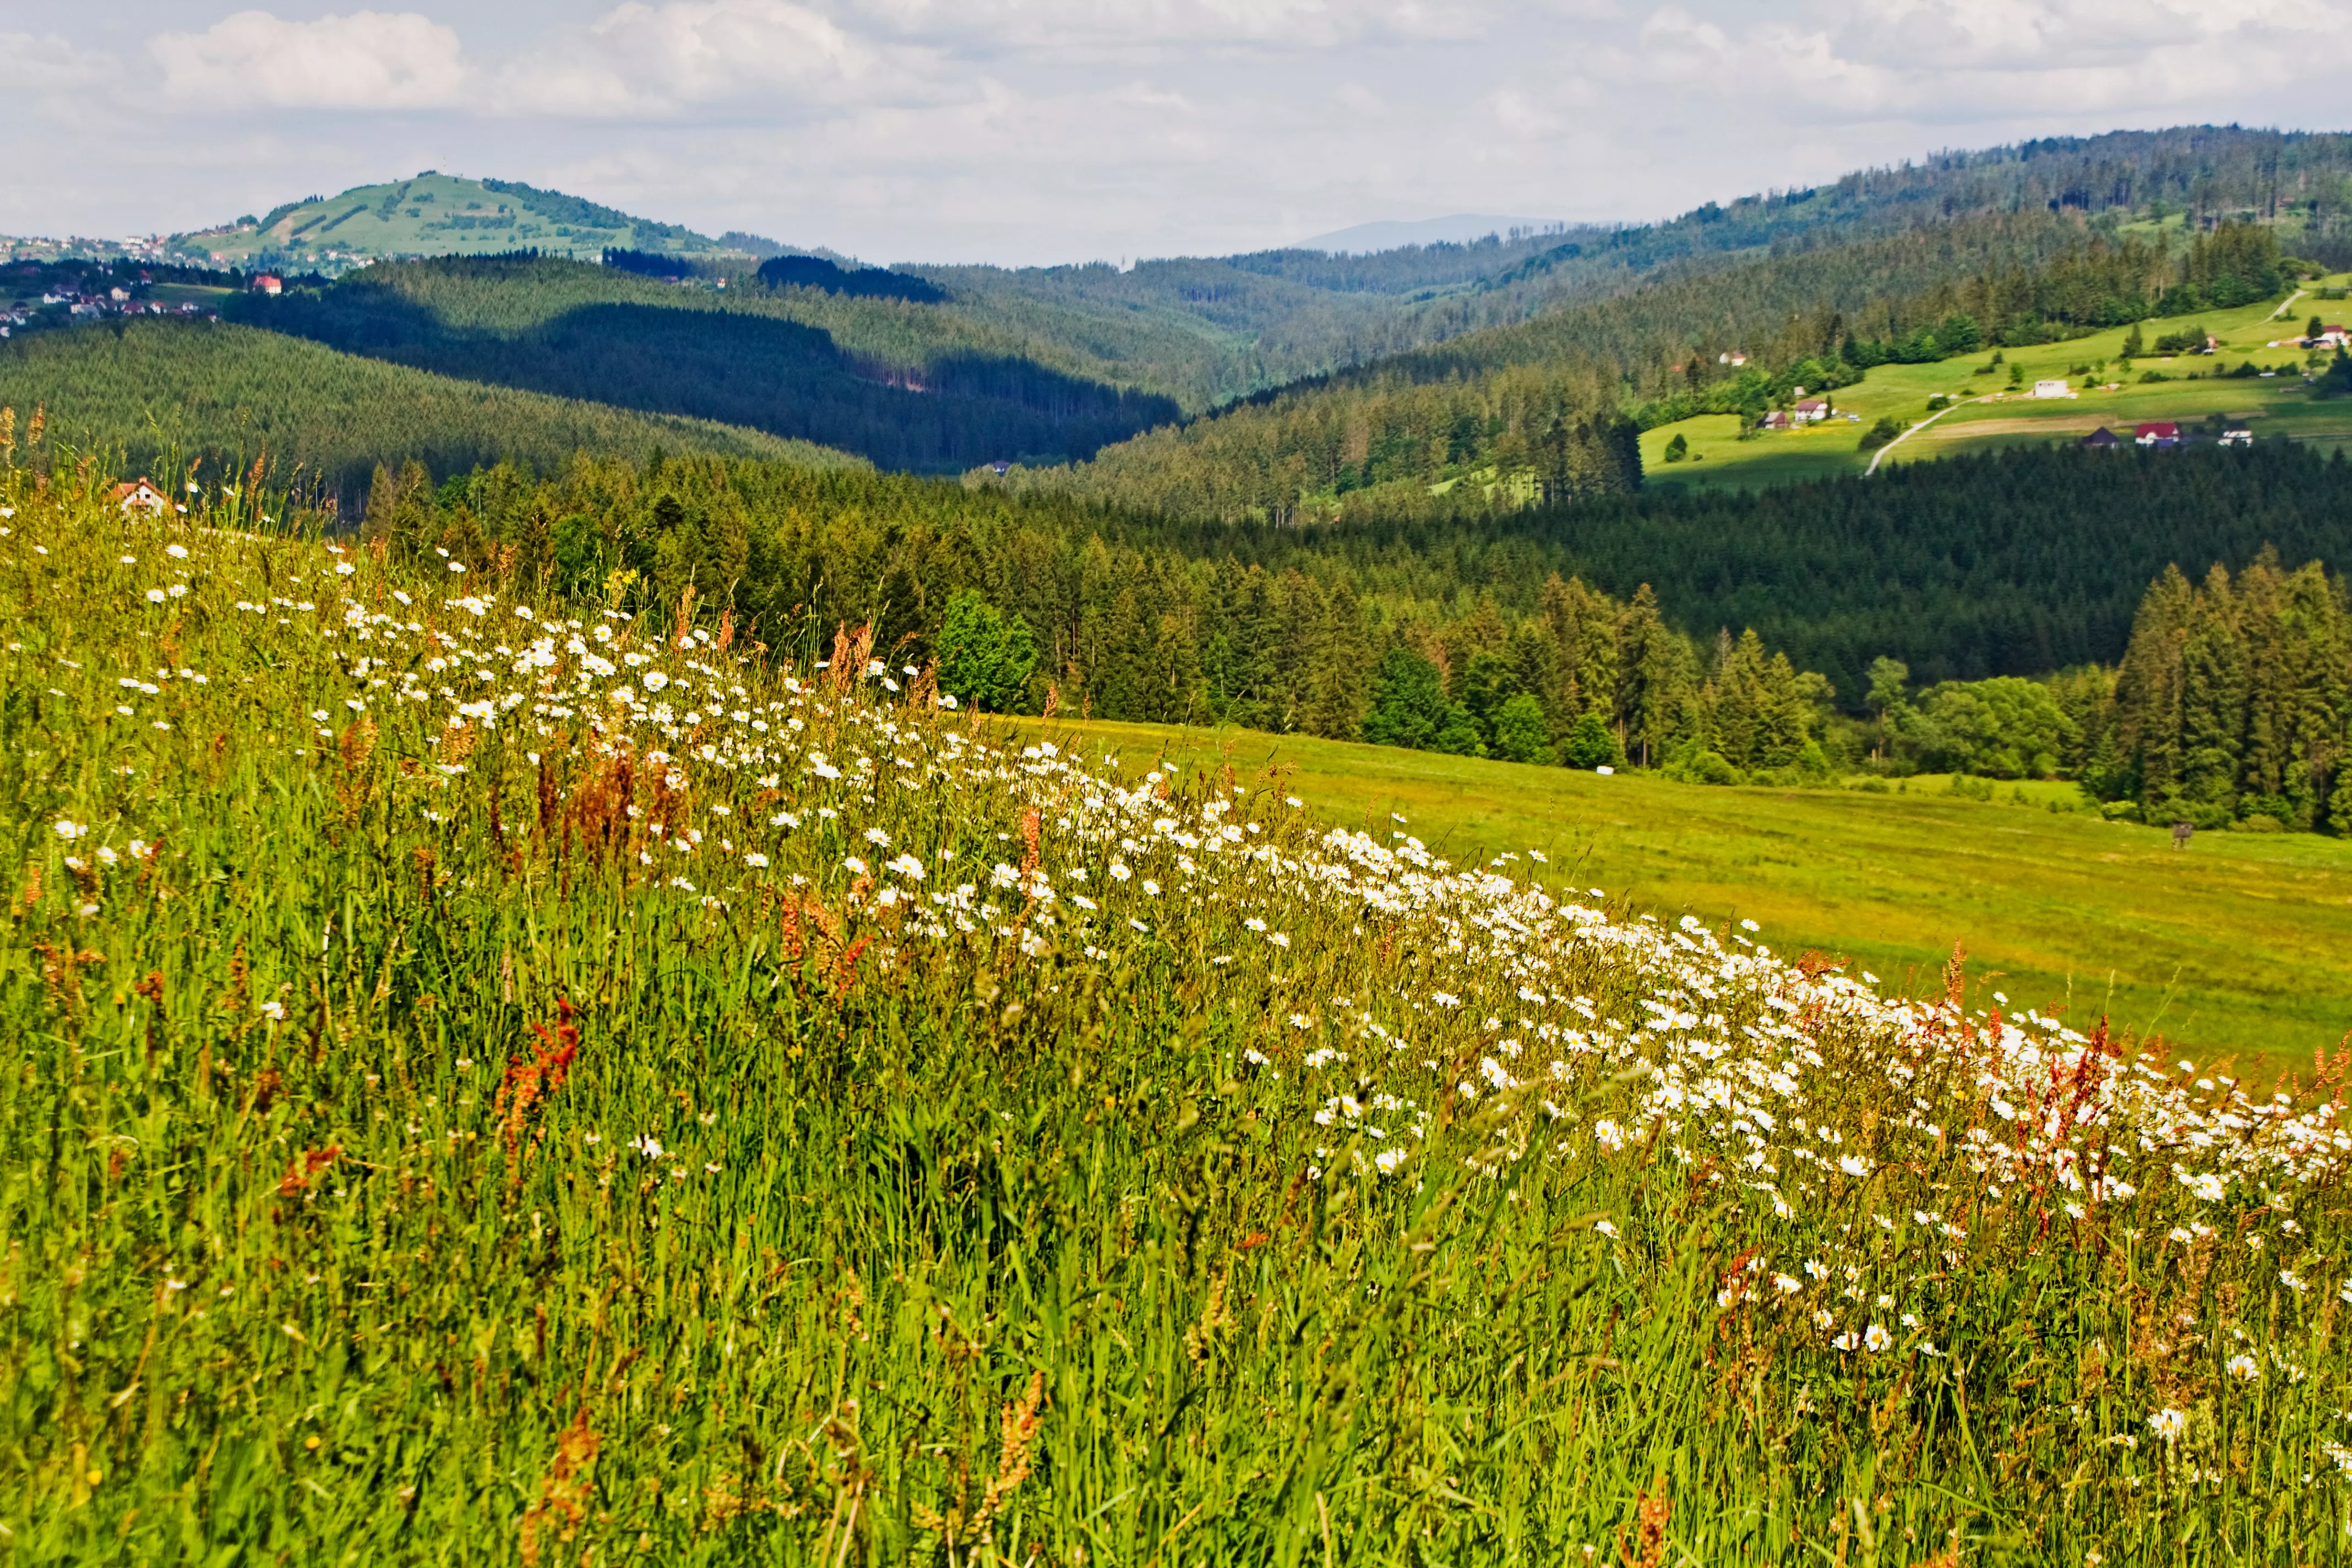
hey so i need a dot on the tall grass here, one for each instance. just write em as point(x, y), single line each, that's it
point(550, 1088)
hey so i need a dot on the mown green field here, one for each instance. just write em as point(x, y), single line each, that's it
point(1994, 414)
point(2241, 943)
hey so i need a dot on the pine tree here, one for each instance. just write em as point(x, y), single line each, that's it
point(2148, 692)
point(1338, 693)
point(2212, 703)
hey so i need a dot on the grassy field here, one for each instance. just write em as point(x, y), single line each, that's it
point(495, 1080)
point(1994, 414)
point(2241, 943)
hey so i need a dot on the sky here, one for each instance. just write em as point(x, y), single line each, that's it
point(1027, 132)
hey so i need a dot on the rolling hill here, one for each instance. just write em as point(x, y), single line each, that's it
point(170, 391)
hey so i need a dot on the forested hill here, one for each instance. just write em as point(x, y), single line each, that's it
point(909, 384)
point(433, 215)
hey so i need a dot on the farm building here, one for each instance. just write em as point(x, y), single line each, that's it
point(2157, 433)
point(2053, 389)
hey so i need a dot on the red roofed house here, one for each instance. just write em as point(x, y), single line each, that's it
point(2332, 336)
point(2163, 433)
point(269, 283)
point(138, 495)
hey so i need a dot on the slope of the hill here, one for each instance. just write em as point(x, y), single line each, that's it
point(1429, 433)
point(497, 1080)
point(167, 390)
point(1434, 432)
point(910, 385)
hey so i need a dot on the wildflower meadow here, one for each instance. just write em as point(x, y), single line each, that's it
point(497, 1078)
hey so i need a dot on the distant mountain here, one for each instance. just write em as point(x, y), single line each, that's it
point(1459, 229)
point(439, 215)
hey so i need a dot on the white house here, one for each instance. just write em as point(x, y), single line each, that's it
point(1811, 411)
point(138, 495)
point(2052, 389)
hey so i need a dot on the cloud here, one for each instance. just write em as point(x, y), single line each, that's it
point(47, 63)
point(664, 60)
point(367, 60)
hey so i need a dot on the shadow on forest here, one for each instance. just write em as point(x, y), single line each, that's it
point(954, 412)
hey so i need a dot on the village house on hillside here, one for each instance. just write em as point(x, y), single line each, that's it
point(1811, 410)
point(138, 495)
point(2102, 440)
point(2053, 389)
point(1731, 357)
point(2161, 433)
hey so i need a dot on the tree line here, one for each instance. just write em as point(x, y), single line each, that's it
point(1027, 603)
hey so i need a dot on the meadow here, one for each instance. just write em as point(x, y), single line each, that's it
point(503, 1080)
point(2234, 945)
point(1995, 414)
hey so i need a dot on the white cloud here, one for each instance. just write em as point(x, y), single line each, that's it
point(47, 63)
point(367, 60)
point(665, 59)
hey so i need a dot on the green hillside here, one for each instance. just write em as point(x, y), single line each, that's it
point(1990, 405)
point(433, 215)
point(1437, 432)
point(168, 390)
